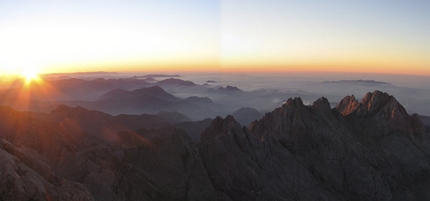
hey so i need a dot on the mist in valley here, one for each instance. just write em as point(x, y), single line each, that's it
point(201, 96)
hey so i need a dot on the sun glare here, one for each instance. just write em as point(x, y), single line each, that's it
point(29, 74)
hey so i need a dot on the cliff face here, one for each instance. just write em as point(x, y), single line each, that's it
point(360, 150)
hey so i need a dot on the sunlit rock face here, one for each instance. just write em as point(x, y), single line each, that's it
point(379, 114)
point(359, 150)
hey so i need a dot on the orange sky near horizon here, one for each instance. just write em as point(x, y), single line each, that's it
point(218, 36)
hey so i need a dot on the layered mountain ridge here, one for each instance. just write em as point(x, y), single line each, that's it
point(359, 150)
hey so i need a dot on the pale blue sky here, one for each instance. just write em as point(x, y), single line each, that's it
point(235, 34)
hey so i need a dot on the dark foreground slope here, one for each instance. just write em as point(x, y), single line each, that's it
point(360, 150)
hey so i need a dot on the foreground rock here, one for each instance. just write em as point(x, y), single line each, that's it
point(26, 175)
point(159, 164)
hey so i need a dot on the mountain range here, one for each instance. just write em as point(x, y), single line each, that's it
point(369, 149)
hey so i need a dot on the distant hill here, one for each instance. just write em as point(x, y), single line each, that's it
point(246, 115)
point(175, 82)
point(227, 89)
point(154, 91)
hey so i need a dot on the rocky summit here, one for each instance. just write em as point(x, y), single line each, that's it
point(360, 150)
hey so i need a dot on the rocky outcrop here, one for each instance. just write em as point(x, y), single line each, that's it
point(26, 175)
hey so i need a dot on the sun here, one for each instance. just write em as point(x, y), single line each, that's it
point(30, 74)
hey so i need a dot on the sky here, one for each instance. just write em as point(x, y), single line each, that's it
point(206, 36)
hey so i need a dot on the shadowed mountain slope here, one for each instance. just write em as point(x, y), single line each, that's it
point(154, 91)
point(150, 100)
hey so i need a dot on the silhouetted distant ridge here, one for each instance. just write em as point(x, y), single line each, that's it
point(176, 82)
point(154, 91)
point(156, 76)
point(199, 100)
point(356, 82)
point(227, 89)
point(230, 88)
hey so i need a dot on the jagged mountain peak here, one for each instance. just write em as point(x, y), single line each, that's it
point(220, 126)
point(379, 108)
point(321, 103)
point(347, 105)
point(220, 122)
point(370, 104)
point(297, 101)
point(377, 114)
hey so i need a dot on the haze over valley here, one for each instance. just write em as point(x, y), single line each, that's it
point(201, 96)
point(214, 100)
